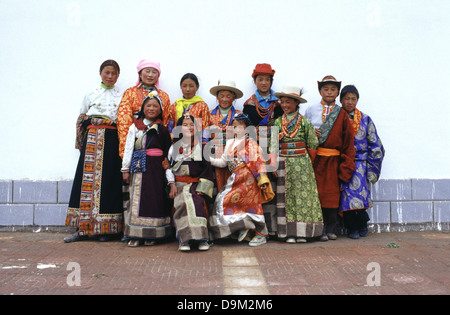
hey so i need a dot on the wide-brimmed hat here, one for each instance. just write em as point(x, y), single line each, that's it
point(263, 69)
point(329, 79)
point(226, 85)
point(292, 92)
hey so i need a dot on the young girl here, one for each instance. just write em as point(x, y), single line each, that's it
point(334, 162)
point(95, 206)
point(190, 104)
point(355, 195)
point(148, 217)
point(191, 180)
point(298, 206)
point(238, 206)
point(262, 109)
point(221, 118)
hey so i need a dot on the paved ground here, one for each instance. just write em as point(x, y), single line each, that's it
point(386, 263)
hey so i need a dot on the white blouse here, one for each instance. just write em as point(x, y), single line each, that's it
point(133, 134)
point(102, 102)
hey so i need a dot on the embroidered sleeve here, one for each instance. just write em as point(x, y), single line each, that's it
point(124, 119)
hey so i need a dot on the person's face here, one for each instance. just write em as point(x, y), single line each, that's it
point(329, 92)
point(149, 76)
point(188, 128)
point(349, 102)
point(239, 128)
point(289, 105)
point(263, 84)
point(189, 88)
point(109, 75)
point(152, 109)
point(225, 98)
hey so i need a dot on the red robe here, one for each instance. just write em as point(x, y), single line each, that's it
point(330, 170)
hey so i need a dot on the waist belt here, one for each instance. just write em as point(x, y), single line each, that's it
point(154, 152)
point(101, 127)
point(327, 152)
point(187, 179)
point(292, 149)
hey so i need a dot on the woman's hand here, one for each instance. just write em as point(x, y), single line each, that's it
point(126, 177)
point(173, 191)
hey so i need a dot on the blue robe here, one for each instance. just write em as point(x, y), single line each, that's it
point(369, 156)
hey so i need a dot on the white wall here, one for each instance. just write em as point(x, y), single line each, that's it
point(395, 52)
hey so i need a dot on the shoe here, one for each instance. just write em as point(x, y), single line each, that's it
point(133, 243)
point(242, 235)
point(323, 238)
point(364, 232)
point(104, 238)
point(291, 240)
point(75, 238)
point(332, 236)
point(257, 241)
point(184, 247)
point(354, 235)
point(301, 240)
point(203, 246)
point(149, 242)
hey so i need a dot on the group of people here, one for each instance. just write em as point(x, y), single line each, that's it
point(143, 173)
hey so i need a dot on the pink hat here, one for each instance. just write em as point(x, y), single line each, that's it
point(145, 63)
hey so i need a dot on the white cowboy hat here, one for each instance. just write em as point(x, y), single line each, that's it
point(329, 79)
point(292, 92)
point(226, 85)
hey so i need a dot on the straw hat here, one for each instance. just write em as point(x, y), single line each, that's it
point(226, 85)
point(292, 92)
point(329, 79)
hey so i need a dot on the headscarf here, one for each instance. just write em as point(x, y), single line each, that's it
point(145, 63)
point(151, 95)
point(242, 117)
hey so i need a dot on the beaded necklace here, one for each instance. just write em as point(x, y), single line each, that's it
point(284, 126)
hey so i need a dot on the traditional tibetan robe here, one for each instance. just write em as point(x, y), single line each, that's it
point(369, 157)
point(218, 127)
point(148, 216)
point(130, 105)
point(193, 177)
point(299, 213)
point(238, 206)
point(262, 112)
point(195, 107)
point(95, 205)
point(334, 162)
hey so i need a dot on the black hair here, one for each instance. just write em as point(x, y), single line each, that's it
point(349, 89)
point(191, 76)
point(180, 123)
point(111, 63)
point(271, 78)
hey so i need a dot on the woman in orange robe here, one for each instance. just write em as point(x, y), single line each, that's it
point(149, 73)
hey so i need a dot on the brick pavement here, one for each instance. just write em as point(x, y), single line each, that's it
point(39, 263)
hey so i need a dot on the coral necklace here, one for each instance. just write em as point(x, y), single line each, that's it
point(285, 123)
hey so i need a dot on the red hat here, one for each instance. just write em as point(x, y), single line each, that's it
point(263, 69)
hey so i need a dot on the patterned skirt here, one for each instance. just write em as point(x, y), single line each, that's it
point(149, 214)
point(96, 205)
point(238, 207)
point(298, 207)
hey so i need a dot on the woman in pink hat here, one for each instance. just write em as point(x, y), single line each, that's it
point(148, 81)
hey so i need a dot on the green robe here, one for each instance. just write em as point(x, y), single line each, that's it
point(299, 213)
